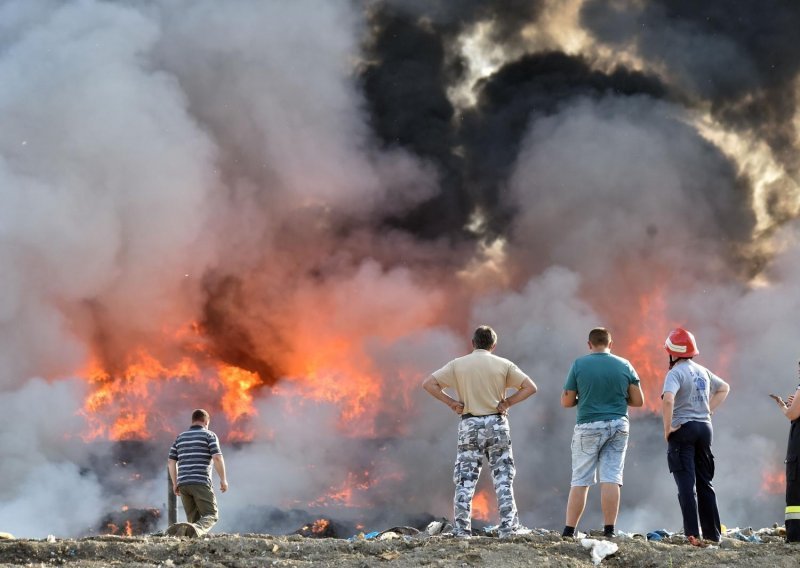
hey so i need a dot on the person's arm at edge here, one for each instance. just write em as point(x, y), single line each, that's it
point(219, 466)
point(719, 396)
point(432, 386)
point(667, 407)
point(172, 467)
point(792, 410)
point(569, 398)
point(526, 389)
point(635, 395)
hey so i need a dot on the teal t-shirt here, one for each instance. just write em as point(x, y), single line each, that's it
point(601, 381)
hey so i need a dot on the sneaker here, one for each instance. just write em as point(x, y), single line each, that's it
point(610, 534)
point(694, 541)
point(461, 534)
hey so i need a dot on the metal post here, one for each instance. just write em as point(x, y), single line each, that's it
point(172, 503)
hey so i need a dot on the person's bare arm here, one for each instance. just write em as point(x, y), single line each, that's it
point(719, 396)
point(527, 389)
point(569, 398)
point(667, 407)
point(635, 396)
point(172, 467)
point(791, 410)
point(219, 466)
point(432, 386)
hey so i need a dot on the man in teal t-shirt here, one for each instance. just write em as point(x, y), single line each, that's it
point(602, 385)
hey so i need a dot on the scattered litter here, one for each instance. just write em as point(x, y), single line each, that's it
point(438, 527)
point(51, 538)
point(389, 555)
point(659, 534)
point(746, 535)
point(625, 535)
point(6, 536)
point(398, 532)
point(388, 535)
point(599, 548)
point(364, 536)
point(275, 548)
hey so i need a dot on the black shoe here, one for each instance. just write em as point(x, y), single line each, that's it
point(610, 534)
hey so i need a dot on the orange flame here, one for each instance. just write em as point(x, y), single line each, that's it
point(773, 482)
point(123, 404)
point(641, 340)
point(481, 505)
point(346, 493)
point(335, 372)
point(320, 526)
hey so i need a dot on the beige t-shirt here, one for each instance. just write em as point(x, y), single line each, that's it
point(481, 380)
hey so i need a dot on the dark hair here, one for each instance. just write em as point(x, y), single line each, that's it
point(600, 337)
point(200, 415)
point(484, 337)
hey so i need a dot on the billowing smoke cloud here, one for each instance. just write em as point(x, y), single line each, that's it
point(331, 196)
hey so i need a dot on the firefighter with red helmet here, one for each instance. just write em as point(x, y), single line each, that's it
point(792, 412)
point(691, 393)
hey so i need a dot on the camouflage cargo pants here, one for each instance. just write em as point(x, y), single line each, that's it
point(489, 437)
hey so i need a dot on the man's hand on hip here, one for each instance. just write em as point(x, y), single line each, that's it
point(458, 407)
point(503, 407)
point(670, 431)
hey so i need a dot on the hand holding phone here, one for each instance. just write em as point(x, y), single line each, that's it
point(778, 400)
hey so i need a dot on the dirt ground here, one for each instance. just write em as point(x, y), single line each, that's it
point(231, 550)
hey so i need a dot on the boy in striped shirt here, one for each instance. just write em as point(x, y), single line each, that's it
point(189, 464)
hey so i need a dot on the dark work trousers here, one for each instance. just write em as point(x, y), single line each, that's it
point(793, 484)
point(200, 505)
point(691, 463)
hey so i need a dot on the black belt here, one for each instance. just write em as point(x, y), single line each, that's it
point(468, 415)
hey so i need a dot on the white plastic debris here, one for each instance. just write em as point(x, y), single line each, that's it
point(434, 528)
point(599, 548)
point(51, 538)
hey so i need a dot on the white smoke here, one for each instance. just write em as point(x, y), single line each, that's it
point(139, 142)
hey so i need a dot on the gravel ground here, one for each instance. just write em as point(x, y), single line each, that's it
point(250, 550)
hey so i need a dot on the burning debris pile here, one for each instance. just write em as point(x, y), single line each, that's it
point(291, 214)
point(130, 522)
point(321, 528)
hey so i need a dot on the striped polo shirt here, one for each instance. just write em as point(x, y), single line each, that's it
point(193, 450)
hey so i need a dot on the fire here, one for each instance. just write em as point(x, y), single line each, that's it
point(123, 403)
point(773, 482)
point(481, 505)
point(640, 341)
point(346, 494)
point(335, 372)
point(320, 526)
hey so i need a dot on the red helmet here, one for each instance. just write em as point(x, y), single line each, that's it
point(681, 343)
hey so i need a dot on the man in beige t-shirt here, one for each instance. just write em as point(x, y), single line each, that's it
point(480, 381)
